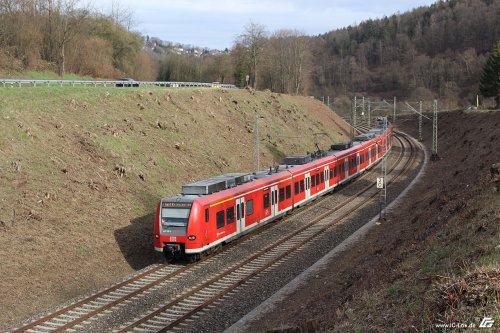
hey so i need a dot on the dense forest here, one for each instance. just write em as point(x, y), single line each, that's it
point(68, 36)
point(434, 51)
point(430, 52)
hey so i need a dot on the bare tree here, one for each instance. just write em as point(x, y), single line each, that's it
point(253, 39)
point(301, 56)
point(63, 21)
point(287, 61)
point(122, 15)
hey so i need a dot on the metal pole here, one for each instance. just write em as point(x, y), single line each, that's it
point(354, 112)
point(420, 122)
point(363, 108)
point(383, 173)
point(256, 160)
point(369, 116)
point(328, 101)
point(394, 116)
point(434, 132)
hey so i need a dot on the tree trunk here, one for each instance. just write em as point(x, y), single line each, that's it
point(62, 62)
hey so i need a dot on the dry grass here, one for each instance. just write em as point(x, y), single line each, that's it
point(434, 261)
point(81, 170)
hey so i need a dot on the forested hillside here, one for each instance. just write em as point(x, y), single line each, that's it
point(70, 36)
point(430, 52)
point(438, 50)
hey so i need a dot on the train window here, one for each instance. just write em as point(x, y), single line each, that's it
point(302, 186)
point(266, 200)
point(230, 215)
point(331, 173)
point(288, 191)
point(335, 171)
point(282, 194)
point(317, 178)
point(220, 219)
point(313, 181)
point(296, 188)
point(238, 215)
point(242, 210)
point(207, 216)
point(250, 207)
point(322, 178)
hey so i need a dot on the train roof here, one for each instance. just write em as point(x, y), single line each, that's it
point(243, 182)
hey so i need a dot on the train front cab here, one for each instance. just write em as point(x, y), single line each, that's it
point(176, 228)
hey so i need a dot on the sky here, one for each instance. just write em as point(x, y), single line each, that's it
point(215, 24)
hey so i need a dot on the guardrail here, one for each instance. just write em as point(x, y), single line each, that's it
point(110, 83)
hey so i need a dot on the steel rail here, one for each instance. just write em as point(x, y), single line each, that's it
point(82, 318)
point(227, 289)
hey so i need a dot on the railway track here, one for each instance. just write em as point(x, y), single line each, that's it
point(172, 315)
point(185, 306)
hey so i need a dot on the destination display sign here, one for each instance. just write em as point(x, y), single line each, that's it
point(177, 204)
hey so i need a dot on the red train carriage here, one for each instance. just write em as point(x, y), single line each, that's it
point(214, 211)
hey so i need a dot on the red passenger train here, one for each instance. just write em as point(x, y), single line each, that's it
point(217, 210)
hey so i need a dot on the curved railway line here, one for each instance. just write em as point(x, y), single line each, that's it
point(184, 307)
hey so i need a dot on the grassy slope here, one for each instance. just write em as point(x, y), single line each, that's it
point(436, 260)
point(443, 265)
point(81, 170)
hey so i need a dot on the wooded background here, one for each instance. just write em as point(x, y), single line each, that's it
point(430, 52)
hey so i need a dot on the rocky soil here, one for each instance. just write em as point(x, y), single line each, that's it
point(434, 261)
point(82, 169)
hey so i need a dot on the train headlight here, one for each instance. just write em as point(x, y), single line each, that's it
point(192, 237)
point(157, 236)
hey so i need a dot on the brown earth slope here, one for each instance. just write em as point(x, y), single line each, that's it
point(435, 261)
point(81, 170)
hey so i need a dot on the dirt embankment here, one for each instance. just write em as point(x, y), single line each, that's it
point(434, 261)
point(81, 171)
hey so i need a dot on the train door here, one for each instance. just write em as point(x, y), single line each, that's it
point(346, 167)
point(240, 214)
point(326, 171)
point(369, 156)
point(358, 167)
point(274, 200)
point(308, 185)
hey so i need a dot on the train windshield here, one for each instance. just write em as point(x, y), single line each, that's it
point(175, 216)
